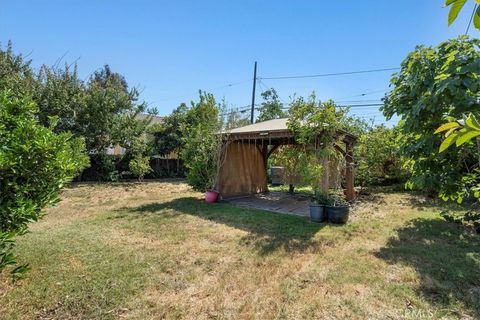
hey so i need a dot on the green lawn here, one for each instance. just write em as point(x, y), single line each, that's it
point(155, 250)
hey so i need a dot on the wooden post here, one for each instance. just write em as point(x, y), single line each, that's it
point(325, 183)
point(349, 175)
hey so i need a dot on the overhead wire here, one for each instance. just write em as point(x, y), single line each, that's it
point(328, 74)
point(471, 18)
point(211, 89)
point(363, 94)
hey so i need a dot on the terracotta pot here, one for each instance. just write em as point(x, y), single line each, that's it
point(211, 196)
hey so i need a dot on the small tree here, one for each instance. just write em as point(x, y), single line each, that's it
point(378, 157)
point(139, 166)
point(202, 143)
point(315, 126)
point(35, 163)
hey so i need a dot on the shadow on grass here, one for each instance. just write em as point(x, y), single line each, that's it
point(446, 257)
point(435, 203)
point(267, 232)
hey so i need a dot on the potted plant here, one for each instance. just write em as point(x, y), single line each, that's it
point(338, 209)
point(317, 207)
point(219, 155)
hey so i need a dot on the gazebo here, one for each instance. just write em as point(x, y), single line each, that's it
point(244, 167)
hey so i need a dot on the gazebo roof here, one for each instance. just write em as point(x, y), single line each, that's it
point(272, 129)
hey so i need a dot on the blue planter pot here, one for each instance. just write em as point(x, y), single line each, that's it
point(317, 213)
point(337, 214)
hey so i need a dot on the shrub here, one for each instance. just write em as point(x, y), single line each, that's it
point(202, 145)
point(35, 163)
point(378, 158)
point(139, 166)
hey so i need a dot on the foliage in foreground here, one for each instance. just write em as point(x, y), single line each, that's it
point(35, 163)
point(455, 8)
point(434, 85)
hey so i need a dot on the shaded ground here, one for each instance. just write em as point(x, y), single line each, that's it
point(156, 250)
point(275, 201)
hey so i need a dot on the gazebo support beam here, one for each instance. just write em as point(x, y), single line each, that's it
point(349, 175)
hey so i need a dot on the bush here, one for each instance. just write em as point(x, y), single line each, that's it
point(202, 145)
point(35, 163)
point(139, 166)
point(378, 159)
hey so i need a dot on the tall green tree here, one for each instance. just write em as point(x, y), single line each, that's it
point(104, 111)
point(16, 74)
point(202, 142)
point(168, 136)
point(435, 84)
point(271, 107)
point(59, 93)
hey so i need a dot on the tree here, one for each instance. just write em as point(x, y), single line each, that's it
point(60, 93)
point(462, 131)
point(378, 158)
point(435, 84)
point(236, 119)
point(271, 107)
point(168, 134)
point(35, 163)
point(139, 166)
point(316, 126)
point(16, 75)
point(202, 143)
point(108, 100)
point(103, 111)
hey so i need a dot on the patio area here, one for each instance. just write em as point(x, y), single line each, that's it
point(278, 202)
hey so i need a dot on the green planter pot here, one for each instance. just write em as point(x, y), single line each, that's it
point(337, 214)
point(317, 213)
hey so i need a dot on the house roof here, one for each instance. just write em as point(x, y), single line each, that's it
point(276, 128)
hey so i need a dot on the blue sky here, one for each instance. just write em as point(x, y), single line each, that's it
point(171, 49)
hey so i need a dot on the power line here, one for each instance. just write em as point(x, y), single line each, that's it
point(471, 18)
point(265, 86)
point(228, 85)
point(364, 94)
point(369, 105)
point(328, 74)
point(359, 101)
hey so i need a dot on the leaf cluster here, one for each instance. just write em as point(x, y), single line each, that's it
point(434, 86)
point(35, 163)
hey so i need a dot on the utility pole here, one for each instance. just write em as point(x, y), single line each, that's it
point(253, 91)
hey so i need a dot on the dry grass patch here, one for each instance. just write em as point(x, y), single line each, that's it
point(155, 250)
